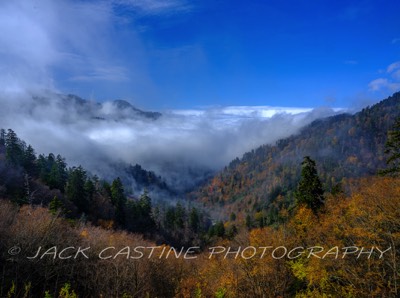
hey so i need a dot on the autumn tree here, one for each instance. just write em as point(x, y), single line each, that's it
point(309, 190)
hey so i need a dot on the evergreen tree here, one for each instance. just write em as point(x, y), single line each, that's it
point(146, 221)
point(62, 172)
point(30, 161)
point(14, 148)
point(249, 221)
point(309, 190)
point(179, 216)
point(392, 148)
point(75, 189)
point(89, 189)
point(119, 200)
point(194, 220)
point(219, 229)
point(169, 221)
point(2, 137)
point(55, 205)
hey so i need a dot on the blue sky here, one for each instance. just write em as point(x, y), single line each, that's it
point(169, 54)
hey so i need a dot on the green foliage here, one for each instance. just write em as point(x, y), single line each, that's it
point(249, 221)
point(47, 294)
point(66, 292)
point(75, 189)
point(194, 220)
point(56, 206)
point(220, 293)
point(14, 148)
point(53, 171)
point(119, 200)
point(27, 289)
point(217, 230)
point(231, 232)
point(309, 190)
point(11, 291)
point(197, 291)
point(29, 161)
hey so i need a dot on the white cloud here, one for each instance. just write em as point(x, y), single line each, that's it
point(393, 66)
point(151, 7)
point(391, 83)
point(383, 83)
point(37, 38)
point(378, 84)
point(395, 40)
point(73, 41)
point(396, 75)
point(351, 62)
point(116, 74)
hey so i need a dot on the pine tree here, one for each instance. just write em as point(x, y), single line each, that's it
point(30, 161)
point(62, 172)
point(2, 137)
point(14, 148)
point(75, 189)
point(179, 216)
point(146, 222)
point(392, 148)
point(56, 205)
point(119, 200)
point(89, 189)
point(309, 190)
point(194, 220)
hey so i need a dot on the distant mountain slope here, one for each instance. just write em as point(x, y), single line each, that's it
point(343, 146)
point(74, 105)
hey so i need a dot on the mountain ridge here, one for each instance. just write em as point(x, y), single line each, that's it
point(263, 180)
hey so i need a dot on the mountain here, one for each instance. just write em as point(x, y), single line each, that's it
point(86, 109)
point(263, 180)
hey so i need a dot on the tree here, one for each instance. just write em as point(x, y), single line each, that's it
point(75, 189)
point(392, 148)
point(14, 148)
point(179, 216)
point(119, 200)
point(90, 189)
point(309, 190)
point(2, 137)
point(194, 220)
point(146, 221)
point(56, 205)
point(30, 161)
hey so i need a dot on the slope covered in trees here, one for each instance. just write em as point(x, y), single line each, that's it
point(76, 194)
point(263, 180)
point(364, 224)
point(66, 233)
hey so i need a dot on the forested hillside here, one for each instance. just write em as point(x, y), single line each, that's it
point(259, 184)
point(271, 262)
point(65, 233)
point(74, 193)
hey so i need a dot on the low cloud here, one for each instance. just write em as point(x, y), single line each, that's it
point(182, 146)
